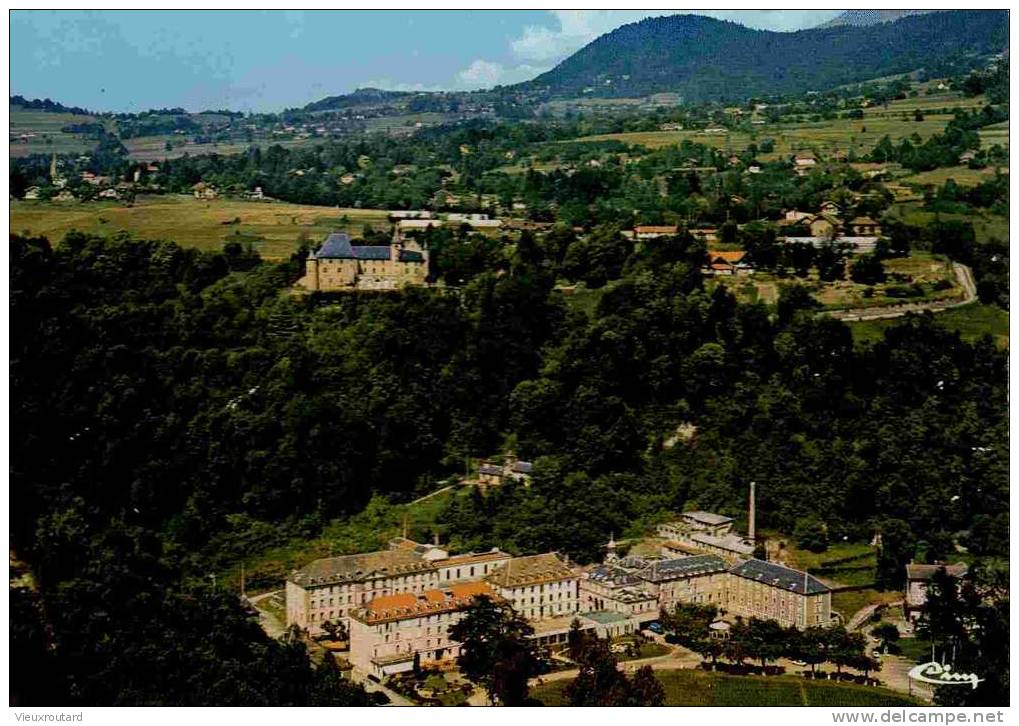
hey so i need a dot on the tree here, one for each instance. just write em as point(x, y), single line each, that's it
point(867, 270)
point(647, 689)
point(898, 547)
point(888, 635)
point(599, 682)
point(811, 646)
point(811, 534)
point(496, 650)
point(576, 640)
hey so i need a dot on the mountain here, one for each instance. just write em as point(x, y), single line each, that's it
point(704, 59)
point(861, 18)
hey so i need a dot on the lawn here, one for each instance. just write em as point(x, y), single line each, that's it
point(971, 321)
point(985, 225)
point(275, 226)
point(698, 688)
point(962, 175)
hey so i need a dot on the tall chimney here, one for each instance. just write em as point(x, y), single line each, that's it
point(751, 515)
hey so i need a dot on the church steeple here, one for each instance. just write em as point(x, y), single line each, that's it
point(610, 550)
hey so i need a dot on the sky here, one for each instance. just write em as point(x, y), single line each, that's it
point(255, 60)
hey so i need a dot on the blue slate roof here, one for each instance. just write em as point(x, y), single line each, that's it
point(523, 467)
point(374, 252)
point(660, 571)
point(778, 576)
point(337, 247)
point(411, 256)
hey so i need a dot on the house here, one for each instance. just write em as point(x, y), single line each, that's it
point(823, 225)
point(726, 263)
point(653, 231)
point(967, 156)
point(339, 265)
point(109, 194)
point(538, 587)
point(201, 190)
point(830, 207)
point(256, 193)
point(865, 227)
point(708, 235)
point(390, 633)
point(32, 193)
point(804, 161)
point(65, 195)
point(795, 216)
point(918, 580)
point(330, 589)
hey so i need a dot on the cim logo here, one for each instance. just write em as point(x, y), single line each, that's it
point(942, 675)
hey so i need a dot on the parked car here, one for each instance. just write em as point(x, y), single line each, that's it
point(656, 627)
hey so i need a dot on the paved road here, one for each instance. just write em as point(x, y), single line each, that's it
point(269, 622)
point(963, 275)
point(863, 614)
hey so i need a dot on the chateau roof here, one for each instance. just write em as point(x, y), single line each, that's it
point(785, 578)
point(683, 567)
point(337, 247)
point(361, 567)
point(531, 570)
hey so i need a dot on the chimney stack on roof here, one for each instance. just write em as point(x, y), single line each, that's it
point(752, 513)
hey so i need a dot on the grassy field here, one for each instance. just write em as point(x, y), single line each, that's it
point(972, 321)
point(697, 688)
point(274, 226)
point(986, 225)
point(848, 602)
point(266, 566)
point(996, 134)
point(962, 175)
point(921, 267)
point(896, 122)
point(49, 139)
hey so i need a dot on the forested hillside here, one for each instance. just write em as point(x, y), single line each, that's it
point(702, 59)
point(164, 400)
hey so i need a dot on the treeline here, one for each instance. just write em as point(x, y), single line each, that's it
point(46, 104)
point(943, 149)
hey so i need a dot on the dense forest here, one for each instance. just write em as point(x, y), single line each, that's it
point(162, 397)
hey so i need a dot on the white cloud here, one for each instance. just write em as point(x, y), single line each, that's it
point(485, 74)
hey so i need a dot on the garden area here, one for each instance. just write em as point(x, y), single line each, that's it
point(427, 687)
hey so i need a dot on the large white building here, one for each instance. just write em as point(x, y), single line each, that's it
point(538, 587)
point(388, 633)
point(329, 589)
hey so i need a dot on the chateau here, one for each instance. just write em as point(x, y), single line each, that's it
point(339, 265)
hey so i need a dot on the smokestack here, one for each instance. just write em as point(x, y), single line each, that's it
point(751, 515)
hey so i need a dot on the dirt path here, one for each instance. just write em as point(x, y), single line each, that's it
point(963, 275)
point(436, 493)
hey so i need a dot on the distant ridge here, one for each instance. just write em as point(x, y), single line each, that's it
point(861, 18)
point(704, 59)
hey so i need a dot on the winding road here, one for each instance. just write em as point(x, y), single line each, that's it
point(963, 275)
